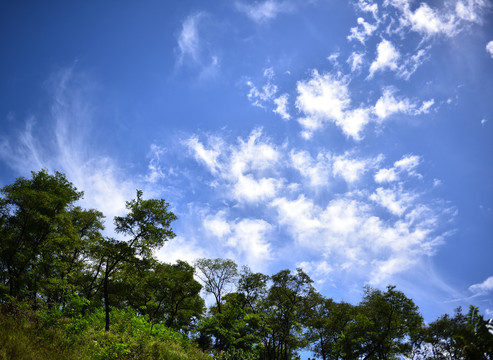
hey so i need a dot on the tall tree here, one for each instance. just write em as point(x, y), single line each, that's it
point(458, 337)
point(218, 276)
point(327, 325)
point(32, 212)
point(147, 226)
point(388, 320)
point(253, 287)
point(167, 293)
point(284, 308)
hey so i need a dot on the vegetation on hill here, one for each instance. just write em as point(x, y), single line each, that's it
point(69, 292)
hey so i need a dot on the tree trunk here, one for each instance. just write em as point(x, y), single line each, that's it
point(106, 304)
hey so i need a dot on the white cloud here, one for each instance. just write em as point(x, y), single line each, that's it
point(253, 154)
point(471, 10)
point(266, 95)
point(484, 287)
point(368, 6)
point(193, 50)
point(386, 175)
point(155, 171)
point(409, 163)
point(317, 171)
point(388, 105)
point(351, 169)
point(356, 61)
point(319, 271)
point(412, 63)
point(282, 106)
point(259, 97)
point(249, 189)
point(447, 21)
point(189, 39)
point(261, 12)
point(370, 233)
point(245, 239)
point(489, 48)
point(394, 200)
point(217, 225)
point(362, 31)
point(249, 240)
point(324, 98)
point(180, 248)
point(425, 107)
point(426, 20)
point(387, 57)
point(243, 169)
point(208, 156)
point(406, 165)
point(334, 58)
point(350, 236)
point(26, 154)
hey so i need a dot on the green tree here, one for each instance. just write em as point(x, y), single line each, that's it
point(218, 276)
point(239, 324)
point(66, 255)
point(147, 226)
point(167, 293)
point(38, 223)
point(284, 308)
point(389, 320)
point(253, 286)
point(327, 323)
point(458, 337)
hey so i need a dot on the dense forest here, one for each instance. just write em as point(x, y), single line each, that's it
point(67, 291)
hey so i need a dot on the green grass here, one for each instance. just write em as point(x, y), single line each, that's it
point(39, 336)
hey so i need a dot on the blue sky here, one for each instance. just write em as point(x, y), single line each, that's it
point(352, 139)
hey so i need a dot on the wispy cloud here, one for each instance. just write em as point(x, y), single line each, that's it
point(351, 169)
point(484, 287)
point(264, 11)
point(71, 118)
point(266, 96)
point(489, 48)
point(372, 228)
point(193, 51)
point(189, 40)
point(363, 31)
point(352, 238)
point(245, 239)
point(447, 21)
point(388, 105)
point(282, 106)
point(317, 171)
point(405, 166)
point(355, 60)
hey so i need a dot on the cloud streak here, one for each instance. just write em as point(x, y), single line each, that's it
point(264, 11)
point(193, 51)
point(72, 115)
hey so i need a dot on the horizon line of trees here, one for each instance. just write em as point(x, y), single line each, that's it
point(53, 254)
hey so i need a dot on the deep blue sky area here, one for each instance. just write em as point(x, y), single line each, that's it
point(352, 139)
